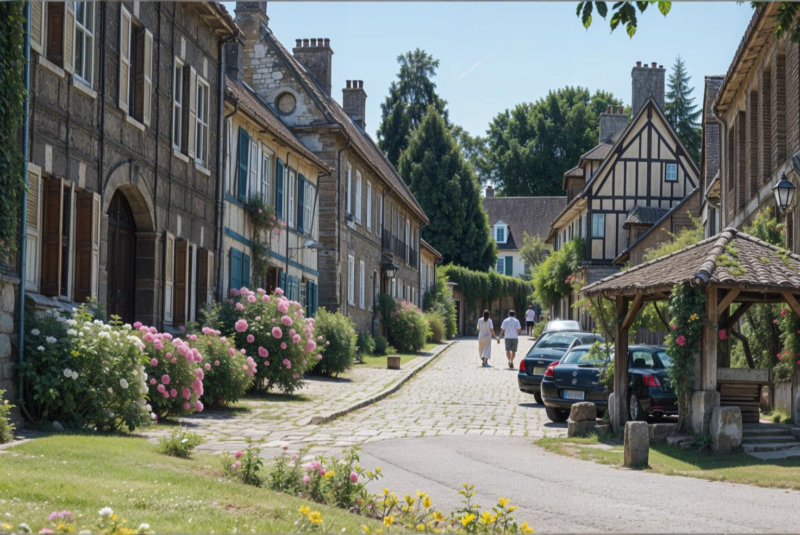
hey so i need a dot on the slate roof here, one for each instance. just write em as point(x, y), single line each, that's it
point(603, 149)
point(575, 172)
point(644, 215)
point(729, 258)
point(261, 111)
point(431, 248)
point(523, 214)
point(361, 141)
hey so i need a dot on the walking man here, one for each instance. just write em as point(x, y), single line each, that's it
point(530, 319)
point(511, 329)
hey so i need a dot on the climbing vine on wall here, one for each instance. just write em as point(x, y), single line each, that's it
point(477, 285)
point(687, 310)
point(12, 91)
point(265, 222)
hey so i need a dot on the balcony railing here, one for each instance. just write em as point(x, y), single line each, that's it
point(399, 248)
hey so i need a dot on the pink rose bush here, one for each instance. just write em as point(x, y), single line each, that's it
point(228, 373)
point(275, 332)
point(408, 328)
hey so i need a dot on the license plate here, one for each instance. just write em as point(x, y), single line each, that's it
point(573, 394)
point(539, 371)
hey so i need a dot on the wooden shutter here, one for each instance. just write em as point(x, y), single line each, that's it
point(54, 21)
point(181, 280)
point(51, 236)
point(279, 189)
point(235, 272)
point(510, 265)
point(34, 227)
point(37, 25)
point(244, 147)
point(169, 276)
point(87, 218)
point(282, 281)
point(69, 35)
point(202, 278)
point(245, 270)
point(210, 278)
point(190, 77)
point(124, 57)
point(301, 193)
point(147, 105)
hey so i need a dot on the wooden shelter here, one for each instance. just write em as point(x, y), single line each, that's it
point(732, 267)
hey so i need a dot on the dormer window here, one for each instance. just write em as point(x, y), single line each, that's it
point(500, 232)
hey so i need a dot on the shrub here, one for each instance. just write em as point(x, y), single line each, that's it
point(440, 299)
point(175, 371)
point(276, 333)
point(340, 343)
point(179, 444)
point(85, 373)
point(436, 327)
point(228, 373)
point(6, 427)
point(366, 344)
point(538, 329)
point(407, 326)
point(381, 345)
point(244, 465)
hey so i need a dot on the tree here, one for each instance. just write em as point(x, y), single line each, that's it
point(408, 101)
point(447, 190)
point(681, 111)
point(473, 148)
point(531, 146)
point(534, 251)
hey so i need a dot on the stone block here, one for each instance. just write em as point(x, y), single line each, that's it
point(581, 429)
point(5, 346)
point(583, 412)
point(637, 445)
point(660, 432)
point(7, 302)
point(603, 431)
point(6, 323)
point(703, 402)
point(393, 362)
point(612, 408)
point(725, 429)
point(8, 371)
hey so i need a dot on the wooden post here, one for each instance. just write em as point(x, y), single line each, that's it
point(708, 355)
point(621, 365)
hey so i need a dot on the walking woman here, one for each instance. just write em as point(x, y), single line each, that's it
point(485, 337)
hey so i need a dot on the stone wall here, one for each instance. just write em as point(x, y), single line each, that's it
point(9, 284)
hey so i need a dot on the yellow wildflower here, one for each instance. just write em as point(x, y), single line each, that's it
point(409, 500)
point(385, 492)
point(503, 501)
point(487, 518)
point(467, 519)
point(304, 510)
point(329, 475)
point(427, 502)
point(378, 470)
point(369, 474)
point(388, 521)
point(525, 528)
point(315, 517)
point(365, 529)
point(512, 508)
point(438, 516)
point(6, 526)
point(420, 527)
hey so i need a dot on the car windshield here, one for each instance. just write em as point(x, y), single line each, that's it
point(584, 357)
point(666, 360)
point(555, 340)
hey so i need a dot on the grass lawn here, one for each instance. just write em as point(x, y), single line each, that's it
point(380, 362)
point(83, 474)
point(673, 461)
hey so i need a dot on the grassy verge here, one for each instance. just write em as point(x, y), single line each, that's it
point(83, 474)
point(777, 417)
point(673, 461)
point(405, 357)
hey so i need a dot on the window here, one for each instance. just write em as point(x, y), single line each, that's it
point(54, 43)
point(349, 192)
point(290, 207)
point(501, 264)
point(672, 172)
point(598, 225)
point(408, 241)
point(177, 108)
point(351, 283)
point(308, 208)
point(279, 175)
point(84, 41)
point(135, 70)
point(239, 270)
point(358, 197)
point(201, 148)
point(362, 287)
point(369, 205)
point(253, 174)
point(303, 295)
point(376, 290)
point(500, 233)
point(266, 170)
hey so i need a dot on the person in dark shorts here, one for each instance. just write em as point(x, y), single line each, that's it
point(511, 329)
point(530, 319)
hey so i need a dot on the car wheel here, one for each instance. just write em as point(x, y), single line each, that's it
point(557, 415)
point(538, 397)
point(635, 410)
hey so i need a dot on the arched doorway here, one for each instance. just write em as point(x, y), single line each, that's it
point(121, 266)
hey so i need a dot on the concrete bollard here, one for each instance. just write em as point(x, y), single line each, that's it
point(725, 429)
point(637, 445)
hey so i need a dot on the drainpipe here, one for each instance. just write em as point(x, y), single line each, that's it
point(24, 206)
point(339, 211)
point(221, 208)
point(286, 173)
point(723, 147)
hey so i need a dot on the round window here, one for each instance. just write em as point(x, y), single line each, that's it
point(286, 103)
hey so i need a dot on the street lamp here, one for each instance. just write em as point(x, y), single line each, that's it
point(784, 193)
point(390, 269)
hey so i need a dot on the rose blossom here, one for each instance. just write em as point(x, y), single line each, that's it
point(241, 326)
point(681, 340)
point(250, 338)
point(276, 332)
point(287, 363)
point(239, 306)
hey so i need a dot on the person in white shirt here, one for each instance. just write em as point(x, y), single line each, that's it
point(511, 329)
point(485, 337)
point(530, 319)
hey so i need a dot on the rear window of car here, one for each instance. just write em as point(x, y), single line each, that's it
point(666, 360)
point(555, 340)
point(582, 357)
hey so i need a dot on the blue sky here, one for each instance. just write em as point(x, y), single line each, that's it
point(495, 55)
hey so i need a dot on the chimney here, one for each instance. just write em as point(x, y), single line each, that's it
point(234, 60)
point(646, 83)
point(354, 102)
point(316, 56)
point(612, 121)
point(249, 17)
point(489, 192)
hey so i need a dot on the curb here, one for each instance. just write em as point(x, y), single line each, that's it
point(325, 418)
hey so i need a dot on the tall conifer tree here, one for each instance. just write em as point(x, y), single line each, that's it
point(681, 111)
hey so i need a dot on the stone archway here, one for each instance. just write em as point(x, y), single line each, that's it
point(126, 186)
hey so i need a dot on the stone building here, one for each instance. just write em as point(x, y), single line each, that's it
point(429, 258)
point(369, 221)
point(124, 164)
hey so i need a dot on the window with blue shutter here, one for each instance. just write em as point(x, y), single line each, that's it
point(510, 265)
point(245, 270)
point(310, 298)
point(235, 271)
point(301, 195)
point(244, 156)
point(282, 281)
point(279, 189)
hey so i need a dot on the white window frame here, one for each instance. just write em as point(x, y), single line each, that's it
point(308, 208)
point(501, 265)
point(254, 168)
point(600, 225)
point(87, 38)
point(266, 177)
point(290, 208)
point(351, 282)
point(202, 122)
point(369, 205)
point(671, 167)
point(358, 197)
point(177, 105)
point(501, 227)
point(349, 200)
point(362, 275)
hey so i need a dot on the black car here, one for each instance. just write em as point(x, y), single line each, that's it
point(549, 348)
point(575, 378)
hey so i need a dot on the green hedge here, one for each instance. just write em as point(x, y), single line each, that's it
point(476, 285)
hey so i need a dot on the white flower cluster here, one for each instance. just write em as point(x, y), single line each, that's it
point(70, 374)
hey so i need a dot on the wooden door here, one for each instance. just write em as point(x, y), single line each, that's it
point(121, 259)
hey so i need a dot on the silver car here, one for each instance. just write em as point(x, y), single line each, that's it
point(562, 326)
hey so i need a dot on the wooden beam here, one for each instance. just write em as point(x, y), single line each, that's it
point(736, 316)
point(638, 301)
point(746, 346)
point(661, 316)
point(708, 351)
point(620, 367)
point(793, 304)
point(726, 302)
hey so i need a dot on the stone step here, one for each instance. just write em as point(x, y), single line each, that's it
point(775, 446)
point(790, 453)
point(762, 439)
point(756, 430)
point(682, 441)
